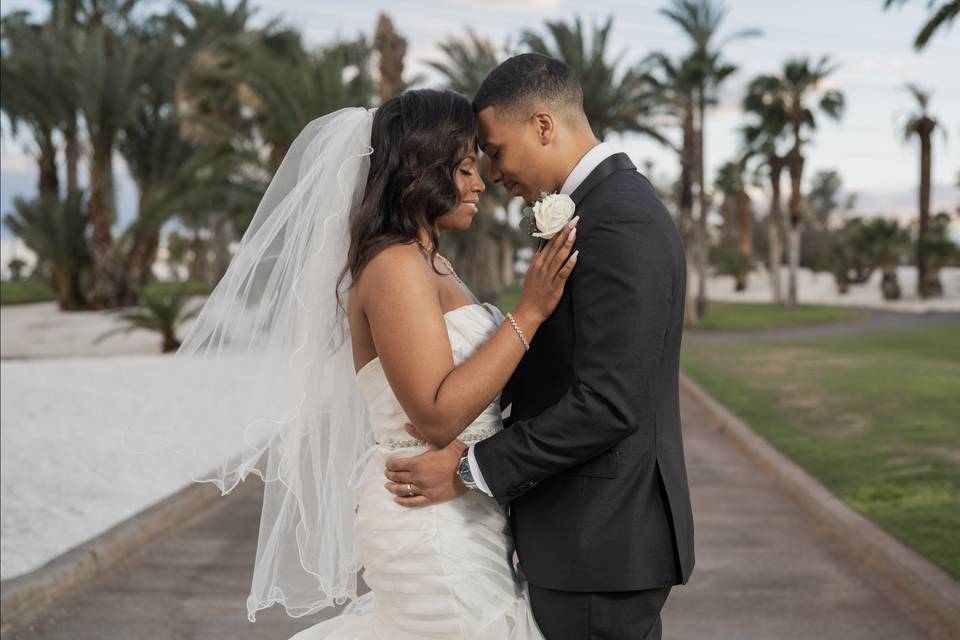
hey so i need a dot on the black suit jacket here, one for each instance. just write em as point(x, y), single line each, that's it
point(591, 457)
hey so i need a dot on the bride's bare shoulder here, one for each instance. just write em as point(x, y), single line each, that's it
point(398, 267)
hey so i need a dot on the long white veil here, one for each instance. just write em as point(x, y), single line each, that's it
point(265, 378)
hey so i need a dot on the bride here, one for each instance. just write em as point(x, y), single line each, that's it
point(280, 378)
point(428, 352)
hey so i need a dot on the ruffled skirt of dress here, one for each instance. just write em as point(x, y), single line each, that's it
point(442, 571)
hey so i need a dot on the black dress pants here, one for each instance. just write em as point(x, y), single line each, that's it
point(610, 615)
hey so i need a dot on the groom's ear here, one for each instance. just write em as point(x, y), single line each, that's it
point(546, 127)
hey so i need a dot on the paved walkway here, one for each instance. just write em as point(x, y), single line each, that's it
point(764, 571)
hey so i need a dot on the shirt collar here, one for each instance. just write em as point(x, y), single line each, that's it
point(600, 152)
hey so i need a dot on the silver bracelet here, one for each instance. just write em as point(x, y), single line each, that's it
point(526, 345)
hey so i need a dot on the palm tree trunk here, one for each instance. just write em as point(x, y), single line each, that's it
point(221, 232)
point(702, 239)
point(775, 229)
point(687, 226)
point(48, 182)
point(143, 253)
point(744, 236)
point(925, 161)
point(728, 211)
point(195, 268)
point(795, 163)
point(71, 150)
point(889, 284)
point(170, 342)
point(103, 292)
point(71, 146)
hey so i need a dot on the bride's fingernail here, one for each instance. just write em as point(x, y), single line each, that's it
point(575, 219)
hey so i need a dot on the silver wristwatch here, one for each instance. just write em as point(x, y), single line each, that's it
point(463, 470)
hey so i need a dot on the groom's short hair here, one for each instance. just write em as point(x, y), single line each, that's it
point(524, 81)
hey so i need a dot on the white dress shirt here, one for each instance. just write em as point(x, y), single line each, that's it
point(597, 154)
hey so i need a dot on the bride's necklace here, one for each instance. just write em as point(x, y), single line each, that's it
point(445, 262)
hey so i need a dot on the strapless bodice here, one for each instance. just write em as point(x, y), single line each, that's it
point(468, 328)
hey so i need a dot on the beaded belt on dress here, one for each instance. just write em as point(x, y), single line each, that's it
point(466, 438)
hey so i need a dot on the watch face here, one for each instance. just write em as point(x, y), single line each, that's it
point(464, 470)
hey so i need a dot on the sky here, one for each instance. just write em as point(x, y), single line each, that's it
point(872, 49)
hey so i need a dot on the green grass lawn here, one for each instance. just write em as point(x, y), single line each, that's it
point(875, 417)
point(192, 287)
point(740, 316)
point(22, 291)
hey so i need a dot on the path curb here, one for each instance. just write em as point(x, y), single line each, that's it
point(24, 596)
point(927, 585)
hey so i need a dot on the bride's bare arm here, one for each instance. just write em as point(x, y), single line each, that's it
point(410, 334)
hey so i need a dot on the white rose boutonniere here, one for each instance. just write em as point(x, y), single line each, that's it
point(547, 215)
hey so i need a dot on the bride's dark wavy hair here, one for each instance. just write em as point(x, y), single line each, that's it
point(419, 138)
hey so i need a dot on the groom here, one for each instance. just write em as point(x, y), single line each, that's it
point(591, 458)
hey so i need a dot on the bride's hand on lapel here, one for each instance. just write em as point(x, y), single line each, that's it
point(432, 475)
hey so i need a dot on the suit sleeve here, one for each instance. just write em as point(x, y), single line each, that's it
point(621, 296)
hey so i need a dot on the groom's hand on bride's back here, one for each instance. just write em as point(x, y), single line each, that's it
point(432, 476)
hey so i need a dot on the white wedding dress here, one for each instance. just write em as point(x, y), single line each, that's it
point(441, 571)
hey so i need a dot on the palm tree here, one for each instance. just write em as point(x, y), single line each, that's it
point(468, 61)
point(173, 170)
point(162, 312)
point(800, 82)
point(850, 256)
point(922, 125)
point(700, 20)
point(672, 87)
point(111, 78)
point(216, 40)
point(64, 22)
point(736, 211)
point(943, 14)
point(36, 82)
point(290, 88)
point(217, 113)
point(941, 249)
point(54, 230)
point(763, 138)
point(614, 102)
point(885, 241)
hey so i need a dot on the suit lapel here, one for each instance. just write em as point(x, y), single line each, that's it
point(609, 166)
